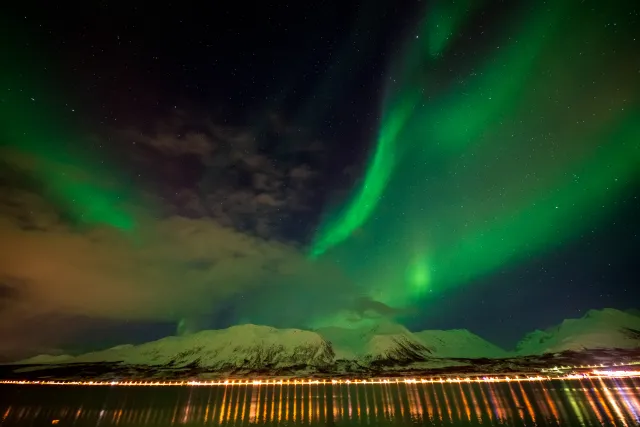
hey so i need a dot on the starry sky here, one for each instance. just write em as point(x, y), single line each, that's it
point(442, 164)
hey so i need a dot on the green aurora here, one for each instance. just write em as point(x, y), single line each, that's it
point(479, 163)
point(72, 170)
point(507, 157)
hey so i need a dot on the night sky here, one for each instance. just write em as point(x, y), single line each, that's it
point(445, 165)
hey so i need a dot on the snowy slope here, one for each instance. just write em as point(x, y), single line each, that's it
point(608, 328)
point(459, 343)
point(47, 359)
point(384, 342)
point(245, 346)
point(387, 344)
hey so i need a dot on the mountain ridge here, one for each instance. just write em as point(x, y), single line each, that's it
point(597, 329)
point(258, 348)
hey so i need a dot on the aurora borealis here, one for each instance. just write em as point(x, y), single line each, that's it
point(521, 150)
point(33, 129)
point(441, 164)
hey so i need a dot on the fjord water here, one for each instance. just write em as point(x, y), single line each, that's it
point(563, 402)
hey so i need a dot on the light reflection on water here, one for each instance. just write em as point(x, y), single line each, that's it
point(589, 402)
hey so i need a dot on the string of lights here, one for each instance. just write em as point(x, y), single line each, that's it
point(356, 381)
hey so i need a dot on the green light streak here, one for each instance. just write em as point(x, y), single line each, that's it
point(71, 170)
point(528, 151)
point(418, 276)
point(549, 218)
point(479, 101)
point(445, 18)
point(368, 195)
point(458, 120)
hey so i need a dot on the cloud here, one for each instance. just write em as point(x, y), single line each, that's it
point(253, 180)
point(172, 268)
point(176, 135)
point(166, 270)
point(190, 143)
point(210, 248)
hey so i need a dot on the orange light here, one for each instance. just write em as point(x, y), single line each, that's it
point(358, 381)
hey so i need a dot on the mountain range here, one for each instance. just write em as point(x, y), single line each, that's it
point(388, 346)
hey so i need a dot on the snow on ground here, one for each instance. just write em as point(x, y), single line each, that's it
point(459, 343)
point(258, 347)
point(238, 345)
point(346, 343)
point(385, 340)
point(607, 328)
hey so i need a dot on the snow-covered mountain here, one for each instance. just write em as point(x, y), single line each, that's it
point(385, 342)
point(239, 347)
point(394, 342)
point(607, 328)
point(459, 343)
point(254, 347)
point(251, 348)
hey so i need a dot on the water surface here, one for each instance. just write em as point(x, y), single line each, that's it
point(589, 402)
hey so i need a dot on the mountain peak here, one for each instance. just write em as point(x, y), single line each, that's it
point(249, 347)
point(606, 328)
point(459, 343)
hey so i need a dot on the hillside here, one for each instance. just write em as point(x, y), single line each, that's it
point(385, 348)
point(598, 329)
point(459, 343)
point(385, 342)
point(245, 346)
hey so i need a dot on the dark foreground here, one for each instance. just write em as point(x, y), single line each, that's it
point(558, 402)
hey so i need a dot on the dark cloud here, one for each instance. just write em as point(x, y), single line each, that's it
point(175, 136)
point(265, 181)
